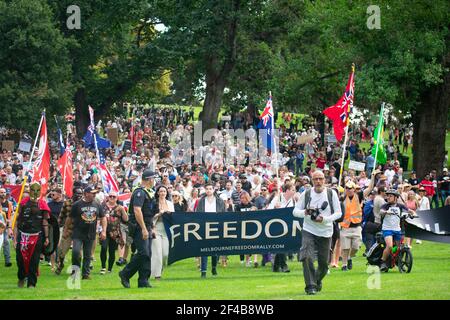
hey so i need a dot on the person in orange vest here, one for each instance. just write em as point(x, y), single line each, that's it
point(351, 235)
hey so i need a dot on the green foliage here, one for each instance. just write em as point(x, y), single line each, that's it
point(35, 69)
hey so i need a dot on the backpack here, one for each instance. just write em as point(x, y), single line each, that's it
point(330, 201)
point(374, 254)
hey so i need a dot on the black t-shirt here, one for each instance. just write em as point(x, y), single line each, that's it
point(146, 201)
point(84, 216)
point(244, 207)
point(445, 185)
point(55, 208)
point(413, 182)
point(31, 217)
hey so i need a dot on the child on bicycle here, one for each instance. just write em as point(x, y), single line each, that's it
point(391, 213)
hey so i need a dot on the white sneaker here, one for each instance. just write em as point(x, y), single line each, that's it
point(103, 271)
point(249, 263)
point(418, 241)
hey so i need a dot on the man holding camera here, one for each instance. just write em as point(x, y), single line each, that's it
point(319, 207)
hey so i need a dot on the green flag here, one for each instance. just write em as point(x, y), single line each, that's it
point(380, 156)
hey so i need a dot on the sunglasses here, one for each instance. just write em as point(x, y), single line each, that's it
point(112, 197)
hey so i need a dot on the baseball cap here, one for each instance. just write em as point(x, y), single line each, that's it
point(350, 185)
point(90, 189)
point(445, 170)
point(148, 174)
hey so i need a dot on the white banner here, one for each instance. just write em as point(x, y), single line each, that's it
point(357, 166)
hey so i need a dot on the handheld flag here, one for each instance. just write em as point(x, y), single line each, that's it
point(378, 150)
point(339, 113)
point(41, 166)
point(65, 168)
point(91, 135)
point(268, 122)
point(62, 147)
point(109, 184)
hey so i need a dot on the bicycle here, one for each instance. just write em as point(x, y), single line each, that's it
point(399, 256)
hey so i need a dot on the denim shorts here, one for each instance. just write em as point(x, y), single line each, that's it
point(396, 235)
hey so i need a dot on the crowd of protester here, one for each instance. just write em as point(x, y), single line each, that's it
point(242, 186)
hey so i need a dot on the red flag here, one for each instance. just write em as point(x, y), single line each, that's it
point(339, 113)
point(125, 198)
point(27, 244)
point(14, 189)
point(65, 168)
point(41, 166)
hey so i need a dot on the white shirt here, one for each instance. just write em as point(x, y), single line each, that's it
point(283, 202)
point(424, 204)
point(225, 194)
point(389, 175)
point(210, 206)
point(324, 228)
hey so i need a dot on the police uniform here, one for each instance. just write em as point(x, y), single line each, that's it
point(140, 262)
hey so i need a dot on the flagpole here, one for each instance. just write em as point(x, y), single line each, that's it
point(343, 153)
point(275, 151)
point(378, 140)
point(25, 178)
point(346, 129)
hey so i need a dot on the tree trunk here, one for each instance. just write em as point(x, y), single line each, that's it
point(81, 112)
point(430, 128)
point(213, 101)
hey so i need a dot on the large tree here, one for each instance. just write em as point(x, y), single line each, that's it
point(34, 64)
point(209, 35)
point(115, 52)
point(405, 63)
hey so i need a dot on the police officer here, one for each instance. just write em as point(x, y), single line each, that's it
point(141, 212)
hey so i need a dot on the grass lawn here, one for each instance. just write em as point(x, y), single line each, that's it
point(429, 279)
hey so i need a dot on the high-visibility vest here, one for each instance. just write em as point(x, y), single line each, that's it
point(353, 212)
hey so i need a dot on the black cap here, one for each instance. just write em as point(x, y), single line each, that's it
point(148, 174)
point(91, 189)
point(242, 176)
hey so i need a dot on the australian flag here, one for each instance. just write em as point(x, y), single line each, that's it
point(267, 122)
point(89, 141)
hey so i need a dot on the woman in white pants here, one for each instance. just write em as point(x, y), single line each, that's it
point(160, 245)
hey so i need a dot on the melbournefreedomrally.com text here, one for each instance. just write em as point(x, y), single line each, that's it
point(247, 247)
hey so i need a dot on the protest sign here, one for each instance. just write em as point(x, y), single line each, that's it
point(357, 166)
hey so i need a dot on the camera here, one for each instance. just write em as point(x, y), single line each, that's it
point(315, 212)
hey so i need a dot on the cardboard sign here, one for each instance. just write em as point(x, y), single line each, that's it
point(8, 145)
point(226, 118)
point(113, 135)
point(126, 145)
point(331, 138)
point(25, 145)
point(305, 139)
point(357, 166)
